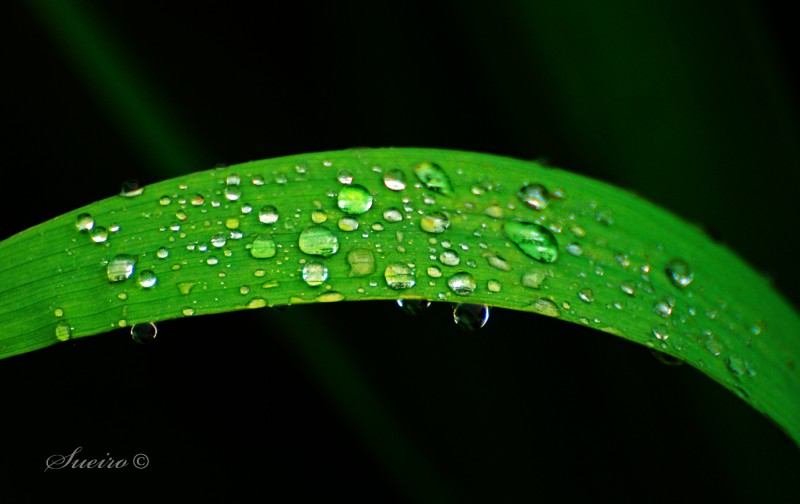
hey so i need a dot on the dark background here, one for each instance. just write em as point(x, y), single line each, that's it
point(693, 105)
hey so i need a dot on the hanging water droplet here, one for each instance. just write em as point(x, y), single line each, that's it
point(586, 295)
point(449, 258)
point(354, 199)
point(534, 240)
point(268, 214)
point(99, 234)
point(361, 261)
point(144, 333)
point(345, 177)
point(131, 188)
point(63, 330)
point(434, 177)
point(120, 268)
point(470, 317)
point(666, 358)
point(435, 222)
point(392, 215)
point(319, 241)
point(147, 279)
point(263, 247)
point(679, 273)
point(544, 306)
point(395, 180)
point(315, 273)
point(348, 224)
point(399, 276)
point(462, 283)
point(413, 306)
point(84, 222)
point(535, 196)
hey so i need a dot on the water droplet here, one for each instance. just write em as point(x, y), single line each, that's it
point(434, 272)
point(315, 273)
point(268, 214)
point(188, 312)
point(627, 288)
point(63, 331)
point(263, 247)
point(258, 180)
point(345, 177)
point(574, 249)
point(318, 216)
point(164, 200)
point(144, 333)
point(449, 258)
point(434, 177)
point(497, 262)
point(534, 240)
point(219, 240)
point(84, 222)
point(436, 222)
point(664, 307)
point(319, 241)
point(197, 200)
point(666, 358)
point(679, 273)
point(395, 180)
point(399, 276)
point(462, 283)
point(392, 215)
point(494, 211)
point(535, 196)
point(736, 365)
point(413, 306)
point(233, 192)
point(470, 317)
point(544, 306)
point(586, 295)
point(714, 347)
point(120, 268)
point(361, 261)
point(59, 312)
point(494, 286)
point(147, 279)
point(623, 260)
point(577, 231)
point(605, 217)
point(348, 224)
point(354, 199)
point(131, 188)
point(99, 234)
point(533, 279)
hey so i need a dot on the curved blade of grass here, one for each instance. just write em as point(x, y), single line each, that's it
point(211, 249)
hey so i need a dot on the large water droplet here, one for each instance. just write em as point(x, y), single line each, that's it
point(268, 214)
point(434, 177)
point(470, 317)
point(395, 180)
point(84, 222)
point(354, 199)
point(462, 283)
point(435, 222)
point(144, 333)
point(679, 273)
point(315, 273)
point(361, 261)
point(535, 196)
point(120, 268)
point(413, 306)
point(319, 241)
point(263, 247)
point(399, 276)
point(534, 240)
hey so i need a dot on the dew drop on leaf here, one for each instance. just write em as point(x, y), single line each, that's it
point(344, 177)
point(435, 222)
point(678, 273)
point(449, 258)
point(262, 247)
point(395, 180)
point(434, 177)
point(470, 317)
point(544, 306)
point(131, 188)
point(535, 196)
point(347, 224)
point(120, 268)
point(318, 241)
point(99, 234)
point(462, 283)
point(586, 295)
point(268, 214)
point(84, 222)
point(414, 306)
point(354, 199)
point(63, 331)
point(534, 240)
point(315, 273)
point(361, 261)
point(147, 279)
point(392, 215)
point(399, 276)
point(144, 333)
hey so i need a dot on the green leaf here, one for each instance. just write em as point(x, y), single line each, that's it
point(390, 224)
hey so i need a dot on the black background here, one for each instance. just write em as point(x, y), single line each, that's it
point(359, 400)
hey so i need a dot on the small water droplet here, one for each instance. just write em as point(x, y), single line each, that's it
point(494, 286)
point(574, 249)
point(395, 180)
point(99, 234)
point(462, 283)
point(577, 231)
point(258, 180)
point(144, 333)
point(392, 215)
point(586, 295)
point(605, 217)
point(627, 288)
point(533, 279)
point(345, 177)
point(59, 312)
point(348, 224)
point(623, 260)
point(164, 200)
point(494, 211)
point(435, 222)
point(131, 188)
point(470, 317)
point(188, 312)
point(544, 306)
point(120, 268)
point(534, 240)
point(319, 241)
point(414, 306)
point(354, 199)
point(535, 196)
point(84, 222)
point(664, 307)
point(714, 347)
point(318, 216)
point(63, 330)
point(147, 279)
point(268, 214)
point(315, 273)
point(399, 276)
point(736, 365)
point(197, 200)
point(449, 258)
point(497, 262)
point(434, 177)
point(219, 240)
point(233, 192)
point(679, 273)
point(361, 261)
point(263, 247)
point(434, 272)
